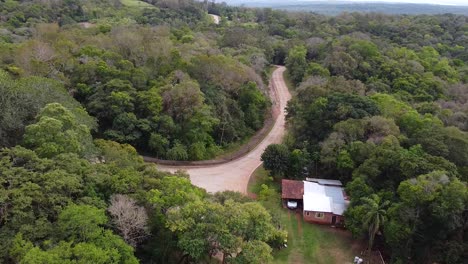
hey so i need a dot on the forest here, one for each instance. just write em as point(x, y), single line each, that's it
point(380, 102)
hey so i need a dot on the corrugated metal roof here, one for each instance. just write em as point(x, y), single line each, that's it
point(317, 203)
point(291, 189)
point(325, 181)
point(323, 198)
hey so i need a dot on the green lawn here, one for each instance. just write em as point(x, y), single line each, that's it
point(307, 243)
point(136, 3)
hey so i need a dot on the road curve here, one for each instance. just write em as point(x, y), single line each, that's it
point(235, 175)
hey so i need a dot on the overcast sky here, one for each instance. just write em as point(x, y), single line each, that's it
point(440, 2)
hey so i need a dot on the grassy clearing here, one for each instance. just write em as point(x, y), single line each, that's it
point(259, 177)
point(307, 243)
point(136, 3)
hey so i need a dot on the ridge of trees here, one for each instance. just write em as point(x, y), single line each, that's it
point(67, 199)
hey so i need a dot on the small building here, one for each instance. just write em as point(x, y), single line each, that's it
point(292, 192)
point(323, 201)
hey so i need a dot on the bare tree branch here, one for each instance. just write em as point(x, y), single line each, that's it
point(129, 218)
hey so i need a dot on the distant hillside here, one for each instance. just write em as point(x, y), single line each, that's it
point(335, 8)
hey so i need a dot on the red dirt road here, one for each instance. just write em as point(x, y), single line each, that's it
point(235, 175)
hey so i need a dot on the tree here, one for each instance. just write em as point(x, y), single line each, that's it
point(276, 159)
point(158, 144)
point(81, 223)
point(206, 228)
point(429, 216)
point(254, 252)
point(296, 63)
point(129, 218)
point(122, 155)
point(111, 99)
point(183, 100)
point(298, 163)
point(149, 103)
point(21, 101)
point(253, 103)
point(177, 152)
point(174, 191)
point(341, 63)
point(374, 217)
point(108, 249)
point(317, 70)
point(58, 131)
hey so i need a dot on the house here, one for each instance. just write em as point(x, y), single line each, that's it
point(323, 201)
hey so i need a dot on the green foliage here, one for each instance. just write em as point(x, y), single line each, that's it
point(426, 198)
point(177, 152)
point(296, 63)
point(57, 212)
point(58, 131)
point(81, 223)
point(23, 99)
point(324, 112)
point(374, 217)
point(122, 155)
point(253, 103)
point(276, 159)
point(317, 69)
point(380, 104)
point(204, 227)
point(174, 191)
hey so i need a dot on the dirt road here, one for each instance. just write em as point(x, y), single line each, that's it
point(235, 175)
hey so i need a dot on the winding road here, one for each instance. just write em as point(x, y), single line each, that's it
point(234, 175)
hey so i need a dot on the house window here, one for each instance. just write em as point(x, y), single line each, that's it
point(307, 213)
point(319, 215)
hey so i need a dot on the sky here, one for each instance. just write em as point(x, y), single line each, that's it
point(440, 2)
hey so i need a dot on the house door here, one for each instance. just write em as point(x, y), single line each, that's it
point(333, 220)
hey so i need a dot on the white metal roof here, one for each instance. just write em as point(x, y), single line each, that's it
point(324, 198)
point(325, 181)
point(317, 203)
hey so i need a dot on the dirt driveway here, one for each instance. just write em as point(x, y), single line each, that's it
point(234, 175)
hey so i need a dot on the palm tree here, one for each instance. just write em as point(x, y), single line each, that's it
point(375, 215)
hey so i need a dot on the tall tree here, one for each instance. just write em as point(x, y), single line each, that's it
point(375, 216)
point(276, 159)
point(296, 63)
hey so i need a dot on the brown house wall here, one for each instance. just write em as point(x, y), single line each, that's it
point(326, 220)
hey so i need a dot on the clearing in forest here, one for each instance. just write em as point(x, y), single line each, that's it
point(307, 243)
point(136, 3)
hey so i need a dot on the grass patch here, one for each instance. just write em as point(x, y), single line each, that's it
point(259, 176)
point(307, 243)
point(136, 3)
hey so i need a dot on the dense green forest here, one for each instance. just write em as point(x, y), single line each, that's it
point(156, 79)
point(381, 103)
